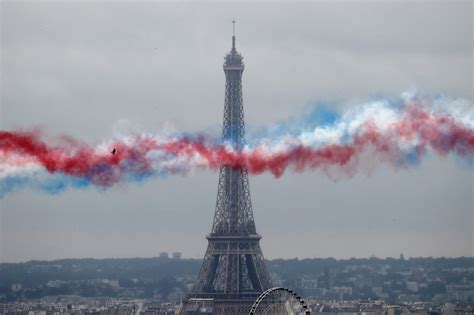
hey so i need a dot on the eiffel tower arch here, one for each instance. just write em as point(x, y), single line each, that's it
point(233, 272)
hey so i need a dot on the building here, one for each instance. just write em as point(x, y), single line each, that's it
point(233, 272)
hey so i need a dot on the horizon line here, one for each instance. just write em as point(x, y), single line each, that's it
point(272, 259)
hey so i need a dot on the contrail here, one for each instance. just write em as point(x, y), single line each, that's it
point(383, 131)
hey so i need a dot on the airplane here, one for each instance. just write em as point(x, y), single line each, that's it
point(113, 151)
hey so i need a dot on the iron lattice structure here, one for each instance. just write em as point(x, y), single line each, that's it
point(233, 272)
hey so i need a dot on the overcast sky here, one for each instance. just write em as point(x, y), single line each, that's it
point(92, 69)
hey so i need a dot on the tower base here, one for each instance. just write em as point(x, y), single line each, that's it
point(218, 304)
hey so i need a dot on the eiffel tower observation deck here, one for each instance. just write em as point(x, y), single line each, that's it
point(233, 271)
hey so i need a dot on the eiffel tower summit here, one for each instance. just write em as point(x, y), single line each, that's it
point(233, 271)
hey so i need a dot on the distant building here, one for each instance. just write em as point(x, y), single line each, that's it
point(177, 255)
point(163, 255)
point(412, 286)
point(460, 292)
point(163, 309)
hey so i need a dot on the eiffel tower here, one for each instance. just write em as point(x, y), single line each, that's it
point(233, 271)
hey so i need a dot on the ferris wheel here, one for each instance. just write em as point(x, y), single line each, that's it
point(279, 301)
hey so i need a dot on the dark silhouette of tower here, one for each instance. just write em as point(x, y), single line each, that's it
point(233, 271)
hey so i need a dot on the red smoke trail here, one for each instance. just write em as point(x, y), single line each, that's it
point(257, 161)
point(442, 134)
point(74, 158)
point(133, 159)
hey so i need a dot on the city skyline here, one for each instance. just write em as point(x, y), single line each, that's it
point(91, 78)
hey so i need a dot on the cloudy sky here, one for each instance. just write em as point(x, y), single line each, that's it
point(94, 69)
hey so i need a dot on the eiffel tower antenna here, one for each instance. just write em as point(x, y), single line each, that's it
point(233, 271)
point(233, 35)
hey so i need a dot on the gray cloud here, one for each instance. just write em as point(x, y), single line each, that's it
point(80, 67)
